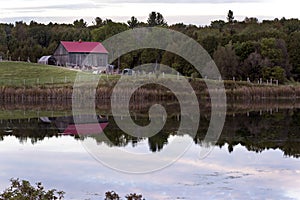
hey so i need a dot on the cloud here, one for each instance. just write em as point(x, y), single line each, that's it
point(198, 12)
point(96, 4)
point(77, 6)
point(45, 20)
point(180, 1)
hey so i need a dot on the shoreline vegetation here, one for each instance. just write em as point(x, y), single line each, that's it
point(23, 189)
point(234, 90)
point(22, 82)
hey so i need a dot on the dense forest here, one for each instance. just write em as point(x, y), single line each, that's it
point(242, 49)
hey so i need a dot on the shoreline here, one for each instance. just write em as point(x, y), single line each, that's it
point(234, 91)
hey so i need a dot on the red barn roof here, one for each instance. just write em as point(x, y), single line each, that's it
point(84, 47)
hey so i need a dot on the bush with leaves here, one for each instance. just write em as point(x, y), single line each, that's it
point(111, 195)
point(134, 197)
point(23, 190)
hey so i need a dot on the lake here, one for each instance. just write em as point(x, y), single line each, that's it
point(256, 156)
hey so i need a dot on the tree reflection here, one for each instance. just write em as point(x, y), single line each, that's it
point(256, 131)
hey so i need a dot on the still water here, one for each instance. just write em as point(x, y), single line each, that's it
point(256, 157)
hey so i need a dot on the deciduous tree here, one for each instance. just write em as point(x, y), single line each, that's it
point(156, 19)
point(230, 16)
point(133, 22)
point(227, 61)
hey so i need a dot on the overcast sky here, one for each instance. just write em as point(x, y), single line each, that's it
point(198, 12)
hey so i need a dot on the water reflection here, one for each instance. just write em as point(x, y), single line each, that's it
point(257, 131)
point(89, 124)
point(247, 162)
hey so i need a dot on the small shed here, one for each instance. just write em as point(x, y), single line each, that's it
point(47, 60)
point(88, 54)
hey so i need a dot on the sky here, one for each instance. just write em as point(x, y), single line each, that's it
point(198, 12)
point(63, 163)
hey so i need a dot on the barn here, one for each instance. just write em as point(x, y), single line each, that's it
point(81, 54)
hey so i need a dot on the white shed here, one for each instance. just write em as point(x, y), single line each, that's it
point(47, 60)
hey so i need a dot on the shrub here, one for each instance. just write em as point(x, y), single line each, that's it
point(23, 190)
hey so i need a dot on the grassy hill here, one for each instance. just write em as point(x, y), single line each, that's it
point(20, 73)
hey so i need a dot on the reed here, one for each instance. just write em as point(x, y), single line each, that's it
point(149, 92)
point(41, 94)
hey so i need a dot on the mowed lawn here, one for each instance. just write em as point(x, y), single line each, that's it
point(29, 74)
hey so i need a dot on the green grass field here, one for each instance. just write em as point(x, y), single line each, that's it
point(29, 74)
point(22, 74)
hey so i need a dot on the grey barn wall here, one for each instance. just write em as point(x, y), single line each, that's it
point(88, 59)
point(63, 57)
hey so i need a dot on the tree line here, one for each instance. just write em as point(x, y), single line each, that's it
point(242, 50)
